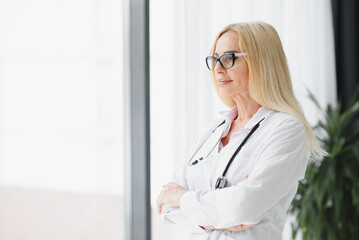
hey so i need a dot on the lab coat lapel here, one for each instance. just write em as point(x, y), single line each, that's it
point(202, 139)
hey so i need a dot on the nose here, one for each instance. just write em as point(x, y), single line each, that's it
point(218, 68)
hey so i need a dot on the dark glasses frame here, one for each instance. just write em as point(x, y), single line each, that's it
point(233, 55)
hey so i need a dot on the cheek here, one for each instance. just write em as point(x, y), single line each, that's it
point(242, 71)
point(241, 78)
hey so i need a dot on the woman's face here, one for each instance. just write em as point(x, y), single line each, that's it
point(233, 81)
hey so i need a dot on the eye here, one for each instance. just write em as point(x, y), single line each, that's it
point(227, 60)
point(226, 57)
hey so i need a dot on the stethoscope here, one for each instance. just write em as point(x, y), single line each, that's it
point(212, 141)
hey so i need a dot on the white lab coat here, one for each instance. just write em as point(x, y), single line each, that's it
point(274, 159)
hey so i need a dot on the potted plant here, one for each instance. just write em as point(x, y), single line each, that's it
point(326, 205)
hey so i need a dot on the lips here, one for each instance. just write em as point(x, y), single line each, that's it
point(223, 82)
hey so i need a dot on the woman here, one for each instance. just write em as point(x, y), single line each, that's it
point(264, 136)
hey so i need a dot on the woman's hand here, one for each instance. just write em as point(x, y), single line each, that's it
point(170, 195)
point(236, 228)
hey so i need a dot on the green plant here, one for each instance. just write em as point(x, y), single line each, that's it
point(327, 202)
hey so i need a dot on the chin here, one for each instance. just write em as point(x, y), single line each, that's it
point(225, 95)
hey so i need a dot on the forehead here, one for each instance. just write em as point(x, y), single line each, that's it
point(227, 42)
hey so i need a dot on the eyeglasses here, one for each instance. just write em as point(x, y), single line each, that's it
point(226, 60)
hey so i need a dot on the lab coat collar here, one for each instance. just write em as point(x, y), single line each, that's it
point(233, 112)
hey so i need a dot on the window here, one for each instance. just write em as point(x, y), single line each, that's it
point(61, 147)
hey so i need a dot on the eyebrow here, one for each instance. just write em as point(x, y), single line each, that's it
point(229, 51)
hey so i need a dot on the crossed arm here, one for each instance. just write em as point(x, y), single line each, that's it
point(171, 195)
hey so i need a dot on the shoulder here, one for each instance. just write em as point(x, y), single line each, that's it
point(283, 122)
point(281, 134)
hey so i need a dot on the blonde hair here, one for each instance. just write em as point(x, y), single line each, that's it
point(270, 83)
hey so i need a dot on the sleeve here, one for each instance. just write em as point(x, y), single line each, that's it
point(279, 163)
point(174, 215)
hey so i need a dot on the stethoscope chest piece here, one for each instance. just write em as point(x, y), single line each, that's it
point(221, 182)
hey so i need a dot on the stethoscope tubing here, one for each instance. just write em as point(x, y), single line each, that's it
point(221, 181)
point(240, 147)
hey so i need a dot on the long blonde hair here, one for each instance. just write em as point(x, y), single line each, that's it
point(270, 83)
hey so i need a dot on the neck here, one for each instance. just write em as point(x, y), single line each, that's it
point(246, 107)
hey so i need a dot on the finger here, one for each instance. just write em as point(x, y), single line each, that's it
point(163, 191)
point(245, 227)
point(159, 207)
point(238, 228)
point(171, 184)
point(210, 227)
point(248, 226)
